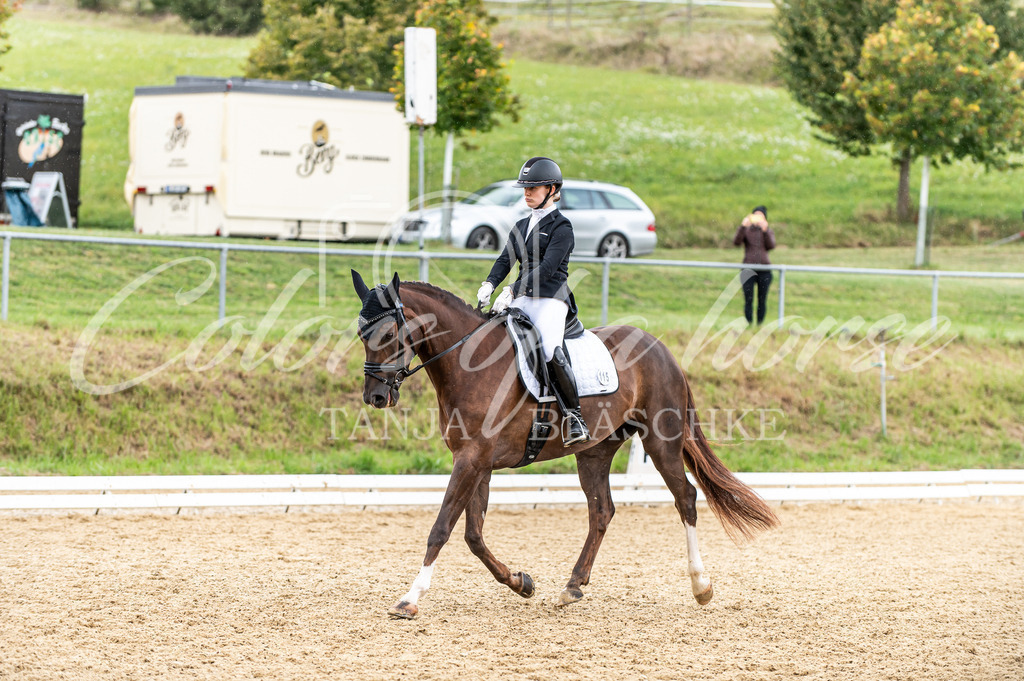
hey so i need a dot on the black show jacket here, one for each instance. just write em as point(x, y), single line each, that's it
point(543, 258)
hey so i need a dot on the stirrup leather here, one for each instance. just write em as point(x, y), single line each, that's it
point(574, 429)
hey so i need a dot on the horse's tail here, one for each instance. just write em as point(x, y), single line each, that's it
point(738, 507)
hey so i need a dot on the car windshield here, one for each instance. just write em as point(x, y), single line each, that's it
point(496, 195)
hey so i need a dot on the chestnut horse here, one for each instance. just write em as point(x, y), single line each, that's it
point(485, 415)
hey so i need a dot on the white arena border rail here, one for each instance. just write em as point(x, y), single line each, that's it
point(174, 493)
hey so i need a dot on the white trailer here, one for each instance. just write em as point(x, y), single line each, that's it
point(242, 157)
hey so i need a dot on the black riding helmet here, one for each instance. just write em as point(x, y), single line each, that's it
point(540, 171)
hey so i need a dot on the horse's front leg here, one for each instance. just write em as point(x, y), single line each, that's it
point(466, 477)
point(593, 468)
point(476, 512)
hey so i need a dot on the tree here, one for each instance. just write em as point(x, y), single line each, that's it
point(820, 41)
point(7, 10)
point(347, 43)
point(930, 84)
point(220, 17)
point(472, 88)
point(816, 51)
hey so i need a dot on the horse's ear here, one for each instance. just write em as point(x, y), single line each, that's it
point(394, 283)
point(361, 288)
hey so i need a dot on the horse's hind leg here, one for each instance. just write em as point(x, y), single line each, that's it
point(593, 468)
point(476, 512)
point(668, 459)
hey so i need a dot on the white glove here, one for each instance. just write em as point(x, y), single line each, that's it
point(484, 294)
point(503, 300)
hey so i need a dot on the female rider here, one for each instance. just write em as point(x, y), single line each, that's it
point(541, 244)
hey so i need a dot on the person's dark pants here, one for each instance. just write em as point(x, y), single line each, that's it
point(762, 279)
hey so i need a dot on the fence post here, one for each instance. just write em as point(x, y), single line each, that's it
point(782, 295)
point(605, 276)
point(935, 300)
point(884, 378)
point(424, 267)
point(223, 282)
point(6, 277)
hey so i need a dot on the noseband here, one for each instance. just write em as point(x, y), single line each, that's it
point(402, 371)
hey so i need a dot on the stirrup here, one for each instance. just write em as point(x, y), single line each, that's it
point(577, 429)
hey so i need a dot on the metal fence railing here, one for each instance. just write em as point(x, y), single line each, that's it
point(425, 257)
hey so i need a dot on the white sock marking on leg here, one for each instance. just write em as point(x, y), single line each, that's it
point(695, 567)
point(420, 585)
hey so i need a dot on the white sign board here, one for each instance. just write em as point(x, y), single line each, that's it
point(45, 187)
point(420, 76)
point(176, 139)
point(312, 158)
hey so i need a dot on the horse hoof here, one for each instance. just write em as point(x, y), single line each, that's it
point(705, 597)
point(568, 596)
point(526, 591)
point(403, 610)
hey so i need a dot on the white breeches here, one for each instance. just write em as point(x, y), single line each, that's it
point(548, 315)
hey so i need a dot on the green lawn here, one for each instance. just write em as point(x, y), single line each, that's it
point(701, 153)
point(260, 407)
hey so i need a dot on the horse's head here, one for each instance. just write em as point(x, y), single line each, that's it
point(387, 340)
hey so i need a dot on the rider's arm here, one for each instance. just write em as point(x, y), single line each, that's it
point(503, 265)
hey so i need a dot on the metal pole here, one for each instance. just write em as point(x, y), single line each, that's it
point(6, 277)
point(782, 295)
point(223, 281)
point(419, 188)
point(424, 267)
point(935, 300)
point(605, 277)
point(922, 215)
point(881, 358)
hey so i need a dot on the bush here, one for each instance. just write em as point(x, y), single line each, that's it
point(220, 17)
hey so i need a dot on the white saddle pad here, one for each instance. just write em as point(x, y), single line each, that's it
point(592, 364)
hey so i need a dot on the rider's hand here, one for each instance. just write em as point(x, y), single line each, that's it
point(484, 294)
point(503, 300)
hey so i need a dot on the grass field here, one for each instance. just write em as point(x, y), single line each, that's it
point(701, 153)
point(261, 406)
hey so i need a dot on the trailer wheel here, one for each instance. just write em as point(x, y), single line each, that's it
point(482, 238)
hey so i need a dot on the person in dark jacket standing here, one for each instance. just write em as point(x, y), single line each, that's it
point(757, 239)
point(541, 244)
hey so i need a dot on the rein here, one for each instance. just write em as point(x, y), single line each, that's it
point(404, 371)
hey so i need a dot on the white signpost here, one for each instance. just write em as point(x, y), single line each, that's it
point(420, 76)
point(421, 97)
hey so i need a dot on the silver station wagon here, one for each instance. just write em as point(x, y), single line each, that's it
point(608, 220)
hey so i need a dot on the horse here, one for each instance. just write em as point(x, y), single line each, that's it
point(485, 414)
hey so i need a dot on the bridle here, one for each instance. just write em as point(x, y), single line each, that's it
point(403, 370)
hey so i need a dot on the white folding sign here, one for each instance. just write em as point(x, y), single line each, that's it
point(420, 76)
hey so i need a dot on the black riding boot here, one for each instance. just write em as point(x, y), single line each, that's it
point(564, 382)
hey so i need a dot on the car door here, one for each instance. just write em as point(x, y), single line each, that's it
point(588, 213)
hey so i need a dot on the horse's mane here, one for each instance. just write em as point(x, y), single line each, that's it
point(448, 298)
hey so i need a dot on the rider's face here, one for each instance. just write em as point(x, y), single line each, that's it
point(535, 195)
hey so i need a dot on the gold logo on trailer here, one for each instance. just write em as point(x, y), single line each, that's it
point(178, 135)
point(318, 153)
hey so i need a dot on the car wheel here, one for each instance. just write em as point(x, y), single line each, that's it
point(482, 238)
point(613, 246)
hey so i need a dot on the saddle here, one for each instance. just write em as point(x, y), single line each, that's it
point(592, 364)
